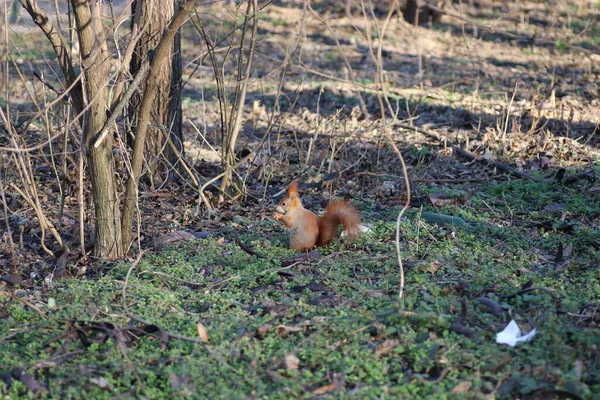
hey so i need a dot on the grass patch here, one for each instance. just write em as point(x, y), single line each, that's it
point(334, 325)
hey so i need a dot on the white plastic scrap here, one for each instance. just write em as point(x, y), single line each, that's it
point(512, 334)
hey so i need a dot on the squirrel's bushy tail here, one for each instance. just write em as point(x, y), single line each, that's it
point(338, 213)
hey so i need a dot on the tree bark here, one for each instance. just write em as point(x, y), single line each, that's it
point(166, 111)
point(174, 113)
point(89, 92)
point(95, 66)
point(161, 56)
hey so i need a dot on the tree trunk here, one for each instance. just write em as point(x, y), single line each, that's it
point(90, 94)
point(417, 12)
point(165, 117)
point(175, 116)
point(162, 55)
point(95, 66)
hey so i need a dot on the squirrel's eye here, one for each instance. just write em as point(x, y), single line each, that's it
point(284, 203)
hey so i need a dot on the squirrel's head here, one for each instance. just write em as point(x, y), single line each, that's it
point(291, 200)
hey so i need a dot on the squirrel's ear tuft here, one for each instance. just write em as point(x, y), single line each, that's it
point(293, 189)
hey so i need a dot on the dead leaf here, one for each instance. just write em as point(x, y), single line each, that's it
point(263, 330)
point(183, 383)
point(325, 389)
point(496, 368)
point(385, 190)
point(171, 237)
point(568, 250)
point(270, 307)
point(374, 293)
point(433, 267)
point(462, 387)
point(45, 364)
point(221, 240)
point(564, 251)
point(331, 301)
point(9, 278)
point(101, 382)
point(61, 265)
point(546, 161)
point(291, 362)
point(579, 366)
point(284, 331)
point(301, 257)
point(29, 381)
point(275, 376)
point(202, 332)
point(442, 199)
point(386, 347)
point(487, 155)
point(338, 381)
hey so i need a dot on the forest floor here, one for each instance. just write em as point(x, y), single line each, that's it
point(499, 129)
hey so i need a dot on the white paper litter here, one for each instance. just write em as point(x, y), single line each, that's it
point(364, 229)
point(361, 229)
point(512, 334)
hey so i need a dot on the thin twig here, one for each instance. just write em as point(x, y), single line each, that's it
point(465, 153)
point(13, 254)
point(527, 39)
point(123, 102)
point(39, 16)
point(386, 130)
point(44, 222)
point(240, 94)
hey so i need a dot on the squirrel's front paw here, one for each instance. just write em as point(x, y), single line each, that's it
point(277, 216)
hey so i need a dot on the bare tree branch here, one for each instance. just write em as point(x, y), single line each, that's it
point(135, 35)
point(41, 19)
point(119, 106)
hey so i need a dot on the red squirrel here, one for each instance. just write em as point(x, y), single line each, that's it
point(309, 230)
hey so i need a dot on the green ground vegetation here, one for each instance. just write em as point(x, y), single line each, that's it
point(333, 326)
